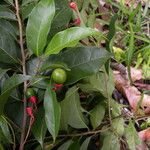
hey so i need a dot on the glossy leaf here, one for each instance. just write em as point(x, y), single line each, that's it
point(50, 65)
point(52, 111)
point(10, 2)
point(27, 9)
point(72, 37)
point(9, 85)
point(26, 2)
point(2, 72)
point(85, 144)
point(38, 25)
point(5, 129)
point(132, 137)
point(110, 142)
point(6, 13)
point(83, 61)
point(71, 110)
point(39, 127)
point(97, 115)
point(14, 103)
point(9, 52)
point(8, 27)
point(66, 145)
point(62, 17)
point(75, 145)
point(33, 66)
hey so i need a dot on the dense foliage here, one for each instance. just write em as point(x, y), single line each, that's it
point(57, 88)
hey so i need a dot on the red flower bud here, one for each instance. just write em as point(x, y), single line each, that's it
point(77, 21)
point(29, 111)
point(33, 99)
point(57, 87)
point(73, 5)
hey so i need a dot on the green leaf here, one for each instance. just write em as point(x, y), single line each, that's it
point(100, 82)
point(130, 52)
point(139, 19)
point(118, 126)
point(97, 115)
point(1, 147)
point(8, 27)
point(2, 72)
point(66, 145)
point(116, 108)
point(112, 31)
point(38, 25)
point(52, 111)
point(75, 145)
point(83, 61)
point(26, 2)
point(14, 105)
point(71, 110)
point(27, 9)
point(62, 17)
point(3, 138)
point(10, 2)
point(9, 85)
point(50, 65)
point(5, 129)
point(132, 136)
point(33, 66)
point(6, 13)
point(72, 37)
point(39, 126)
point(110, 142)
point(9, 52)
point(85, 144)
point(134, 12)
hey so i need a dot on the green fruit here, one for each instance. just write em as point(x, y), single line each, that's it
point(59, 76)
point(30, 92)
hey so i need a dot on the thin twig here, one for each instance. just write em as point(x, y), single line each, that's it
point(82, 133)
point(24, 73)
point(29, 129)
point(77, 134)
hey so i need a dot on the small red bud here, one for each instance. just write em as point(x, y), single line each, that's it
point(29, 111)
point(73, 5)
point(57, 87)
point(77, 21)
point(33, 99)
